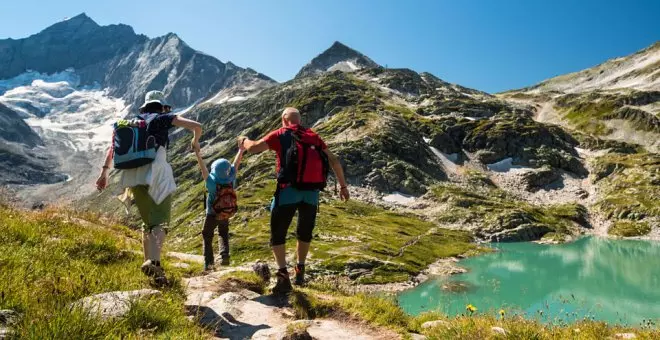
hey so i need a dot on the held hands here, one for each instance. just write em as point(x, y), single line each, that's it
point(241, 143)
point(194, 146)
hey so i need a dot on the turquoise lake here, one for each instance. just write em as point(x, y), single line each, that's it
point(617, 281)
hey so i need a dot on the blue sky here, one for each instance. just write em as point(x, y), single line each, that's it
point(491, 45)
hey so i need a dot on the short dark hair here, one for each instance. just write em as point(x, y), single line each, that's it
point(152, 108)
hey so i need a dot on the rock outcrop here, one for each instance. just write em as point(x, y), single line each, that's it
point(113, 304)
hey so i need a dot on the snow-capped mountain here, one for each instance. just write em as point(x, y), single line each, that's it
point(69, 82)
point(124, 63)
point(338, 57)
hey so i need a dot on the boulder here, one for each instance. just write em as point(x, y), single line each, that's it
point(498, 330)
point(539, 178)
point(113, 304)
point(8, 317)
point(262, 270)
point(436, 323)
point(525, 232)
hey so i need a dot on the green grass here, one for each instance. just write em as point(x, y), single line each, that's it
point(50, 260)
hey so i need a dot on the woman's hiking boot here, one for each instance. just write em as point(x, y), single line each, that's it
point(300, 275)
point(224, 260)
point(283, 285)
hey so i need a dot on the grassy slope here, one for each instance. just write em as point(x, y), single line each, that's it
point(52, 259)
point(395, 245)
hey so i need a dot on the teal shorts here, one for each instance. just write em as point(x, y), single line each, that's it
point(290, 195)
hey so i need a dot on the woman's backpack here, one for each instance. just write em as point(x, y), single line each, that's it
point(133, 145)
point(225, 204)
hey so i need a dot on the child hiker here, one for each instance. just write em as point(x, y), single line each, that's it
point(220, 205)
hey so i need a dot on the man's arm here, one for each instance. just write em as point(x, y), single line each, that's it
point(202, 165)
point(335, 164)
point(252, 146)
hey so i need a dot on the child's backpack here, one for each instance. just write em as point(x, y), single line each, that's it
point(133, 145)
point(225, 204)
point(304, 165)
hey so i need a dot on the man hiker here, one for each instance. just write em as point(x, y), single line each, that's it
point(301, 164)
point(139, 150)
point(220, 204)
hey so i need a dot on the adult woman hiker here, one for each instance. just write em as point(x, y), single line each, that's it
point(139, 150)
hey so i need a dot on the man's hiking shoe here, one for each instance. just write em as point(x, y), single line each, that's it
point(209, 267)
point(151, 270)
point(300, 275)
point(224, 261)
point(283, 285)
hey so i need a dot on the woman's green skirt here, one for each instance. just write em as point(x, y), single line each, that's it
point(152, 214)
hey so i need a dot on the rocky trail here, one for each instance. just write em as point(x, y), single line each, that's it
point(233, 312)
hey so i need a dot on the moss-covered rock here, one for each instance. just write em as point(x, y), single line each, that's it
point(630, 186)
point(629, 228)
point(539, 178)
point(515, 136)
point(587, 111)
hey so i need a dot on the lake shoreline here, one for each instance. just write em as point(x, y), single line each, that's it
point(444, 267)
point(448, 266)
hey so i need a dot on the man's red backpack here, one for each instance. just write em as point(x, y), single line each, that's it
point(304, 164)
point(225, 204)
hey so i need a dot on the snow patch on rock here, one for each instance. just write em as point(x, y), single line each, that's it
point(399, 198)
point(506, 165)
point(55, 107)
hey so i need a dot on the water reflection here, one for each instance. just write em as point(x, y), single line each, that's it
point(612, 280)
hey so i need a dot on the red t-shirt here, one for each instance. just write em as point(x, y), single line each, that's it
point(273, 141)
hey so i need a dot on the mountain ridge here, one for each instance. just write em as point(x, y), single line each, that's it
point(115, 57)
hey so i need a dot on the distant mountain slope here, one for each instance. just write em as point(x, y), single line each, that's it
point(126, 64)
point(618, 99)
point(639, 71)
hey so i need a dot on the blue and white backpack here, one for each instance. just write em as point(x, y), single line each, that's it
point(133, 145)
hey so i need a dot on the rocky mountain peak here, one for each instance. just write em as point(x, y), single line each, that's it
point(337, 57)
point(79, 24)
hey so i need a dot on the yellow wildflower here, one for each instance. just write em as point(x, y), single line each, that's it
point(470, 308)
